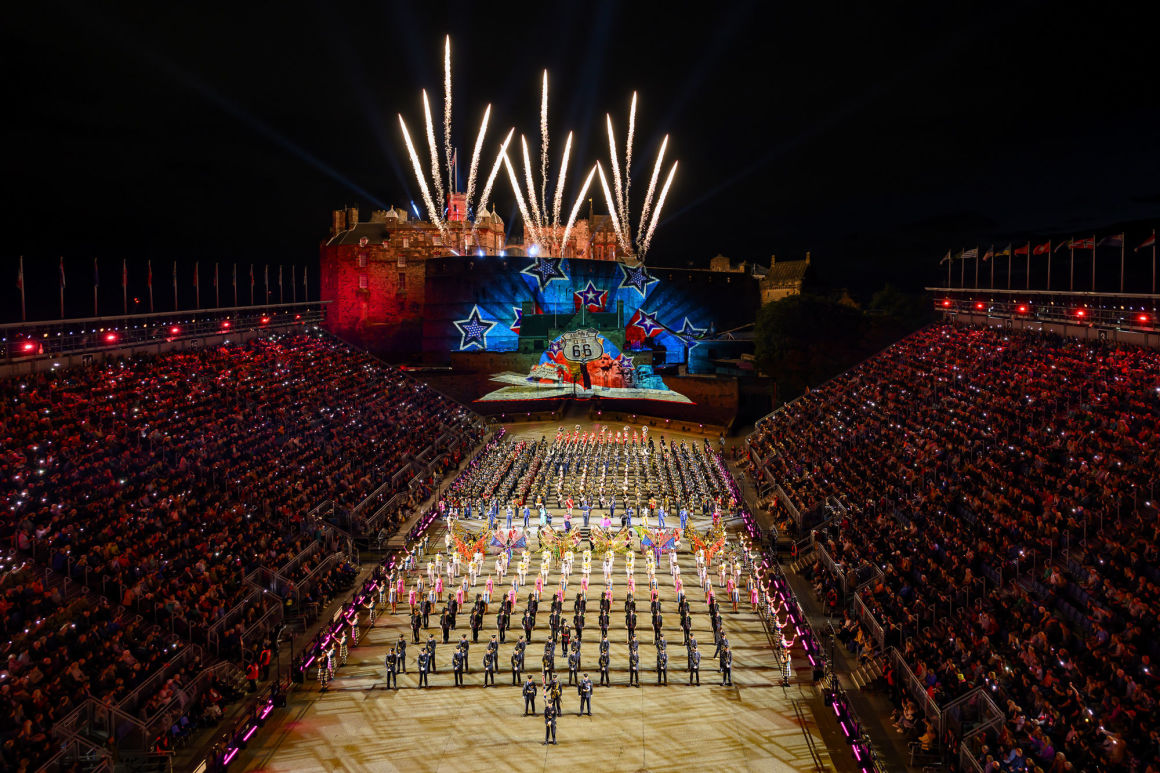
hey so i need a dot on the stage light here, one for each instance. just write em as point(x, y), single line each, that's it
point(28, 346)
point(174, 330)
point(1080, 313)
point(1143, 319)
point(946, 303)
point(1022, 308)
point(979, 305)
point(226, 325)
point(263, 320)
point(110, 338)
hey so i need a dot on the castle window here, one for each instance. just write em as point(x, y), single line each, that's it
point(402, 283)
point(437, 240)
point(402, 260)
point(363, 282)
point(362, 260)
point(406, 243)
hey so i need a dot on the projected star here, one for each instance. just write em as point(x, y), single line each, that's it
point(545, 270)
point(646, 322)
point(555, 347)
point(591, 297)
point(689, 334)
point(519, 319)
point(636, 277)
point(473, 330)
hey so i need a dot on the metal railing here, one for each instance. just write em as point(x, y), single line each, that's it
point(869, 621)
point(915, 688)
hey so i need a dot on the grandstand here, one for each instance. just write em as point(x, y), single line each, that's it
point(172, 513)
point(980, 502)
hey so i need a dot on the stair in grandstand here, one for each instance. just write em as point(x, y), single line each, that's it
point(865, 676)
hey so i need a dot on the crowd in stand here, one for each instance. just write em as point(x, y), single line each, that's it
point(1003, 483)
point(161, 482)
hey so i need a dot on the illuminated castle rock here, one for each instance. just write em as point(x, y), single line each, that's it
point(374, 272)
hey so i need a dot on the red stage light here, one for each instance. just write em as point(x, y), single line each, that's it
point(979, 305)
point(265, 320)
point(226, 324)
point(174, 330)
point(28, 346)
point(1080, 313)
point(1022, 309)
point(946, 303)
point(1143, 319)
point(110, 338)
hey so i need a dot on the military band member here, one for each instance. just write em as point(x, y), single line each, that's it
point(726, 665)
point(517, 665)
point(578, 621)
point(489, 663)
point(457, 666)
point(402, 648)
point(431, 652)
point(466, 647)
point(585, 695)
point(424, 659)
point(501, 622)
point(476, 623)
point(694, 664)
point(662, 666)
point(392, 664)
point(604, 680)
point(634, 668)
point(549, 724)
point(555, 691)
point(573, 666)
point(529, 696)
point(416, 624)
point(528, 623)
point(604, 622)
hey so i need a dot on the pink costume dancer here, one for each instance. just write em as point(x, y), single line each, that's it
point(753, 597)
point(512, 597)
point(539, 585)
point(460, 596)
point(412, 597)
point(439, 587)
point(632, 585)
point(402, 587)
point(584, 585)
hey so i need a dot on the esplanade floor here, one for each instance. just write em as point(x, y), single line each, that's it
point(755, 725)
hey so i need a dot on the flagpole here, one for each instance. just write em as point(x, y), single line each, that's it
point(992, 267)
point(124, 287)
point(1153, 261)
point(949, 263)
point(962, 270)
point(1049, 251)
point(175, 285)
point(1093, 263)
point(149, 268)
point(23, 317)
point(235, 284)
point(196, 288)
point(1123, 241)
point(306, 287)
point(976, 267)
point(217, 296)
point(1071, 264)
point(1028, 264)
point(1010, 251)
point(293, 283)
point(96, 281)
point(62, 286)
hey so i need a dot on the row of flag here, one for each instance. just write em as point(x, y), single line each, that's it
point(149, 284)
point(1046, 248)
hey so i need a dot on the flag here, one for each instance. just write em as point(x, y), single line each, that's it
point(251, 277)
point(946, 258)
point(1023, 250)
point(20, 274)
point(1083, 244)
point(62, 272)
point(970, 254)
point(1149, 242)
point(149, 274)
point(195, 273)
point(1063, 243)
point(1042, 249)
point(1115, 240)
point(990, 253)
point(215, 267)
point(124, 274)
point(96, 274)
point(1004, 253)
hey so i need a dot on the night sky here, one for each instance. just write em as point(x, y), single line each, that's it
point(874, 135)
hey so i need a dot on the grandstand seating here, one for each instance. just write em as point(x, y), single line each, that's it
point(1004, 483)
point(162, 483)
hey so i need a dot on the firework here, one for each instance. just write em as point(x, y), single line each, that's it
point(436, 175)
point(435, 218)
point(535, 207)
point(529, 225)
point(576, 206)
point(628, 158)
point(447, 112)
point(656, 215)
point(652, 186)
point(494, 171)
point(612, 209)
point(560, 183)
point(544, 145)
point(475, 155)
point(616, 180)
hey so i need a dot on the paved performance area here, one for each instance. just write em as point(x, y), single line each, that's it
point(758, 724)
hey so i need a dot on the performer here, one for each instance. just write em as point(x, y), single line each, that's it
point(392, 664)
point(585, 695)
point(694, 664)
point(549, 724)
point(529, 692)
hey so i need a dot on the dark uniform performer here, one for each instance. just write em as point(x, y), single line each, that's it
point(424, 659)
point(501, 622)
point(726, 663)
point(549, 724)
point(416, 624)
point(402, 647)
point(574, 667)
point(445, 624)
point(658, 623)
point(489, 667)
point(694, 665)
point(565, 635)
point(466, 647)
point(457, 666)
point(686, 626)
point(529, 696)
point(426, 606)
point(630, 623)
point(585, 695)
point(722, 644)
point(555, 693)
point(528, 623)
point(604, 668)
point(517, 666)
point(476, 623)
point(634, 668)
point(431, 651)
point(664, 645)
point(662, 666)
point(533, 607)
point(392, 663)
point(549, 662)
point(554, 622)
point(578, 621)
point(603, 622)
point(580, 606)
point(453, 605)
